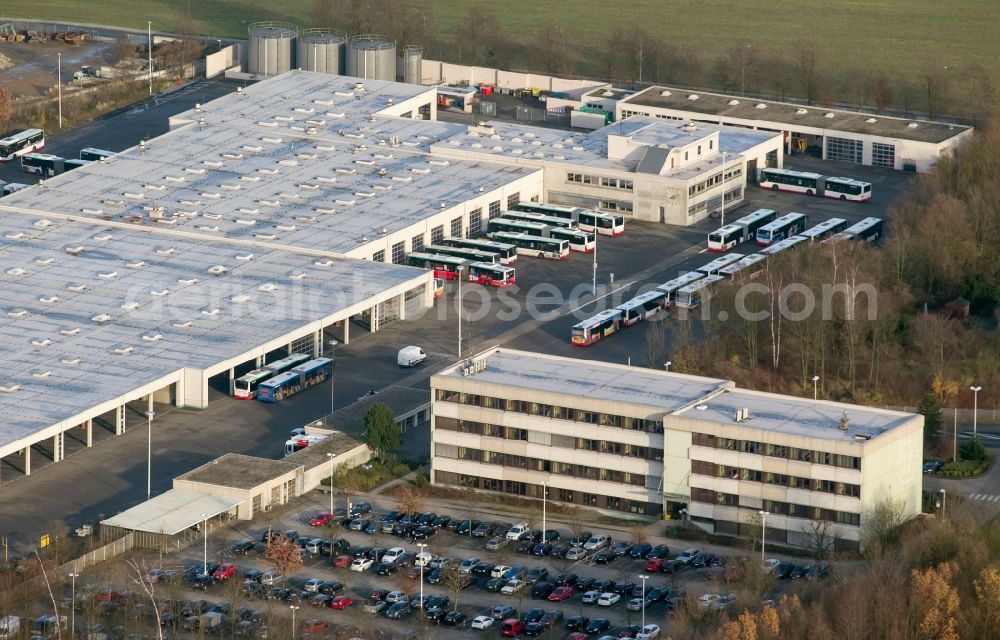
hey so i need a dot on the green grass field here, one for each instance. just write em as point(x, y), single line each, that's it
point(897, 38)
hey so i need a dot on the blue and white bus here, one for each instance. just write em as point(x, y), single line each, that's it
point(786, 226)
point(245, 387)
point(299, 379)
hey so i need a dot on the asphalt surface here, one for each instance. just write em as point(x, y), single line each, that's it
point(537, 314)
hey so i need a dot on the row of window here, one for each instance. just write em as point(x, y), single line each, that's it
point(513, 461)
point(549, 439)
point(777, 507)
point(777, 451)
point(616, 206)
point(701, 467)
point(550, 411)
point(705, 185)
point(474, 229)
point(511, 487)
point(883, 155)
point(600, 181)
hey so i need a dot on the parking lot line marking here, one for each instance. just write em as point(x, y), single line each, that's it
point(609, 293)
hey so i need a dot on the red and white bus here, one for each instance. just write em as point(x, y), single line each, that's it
point(578, 240)
point(506, 252)
point(644, 305)
point(534, 245)
point(20, 143)
point(606, 224)
point(492, 275)
point(476, 255)
point(739, 231)
point(600, 326)
point(786, 226)
point(445, 267)
point(813, 184)
point(671, 287)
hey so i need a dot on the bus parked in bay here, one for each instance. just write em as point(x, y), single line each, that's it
point(691, 296)
point(506, 252)
point(671, 287)
point(535, 246)
point(245, 387)
point(516, 226)
point(593, 329)
point(298, 379)
point(824, 229)
point(531, 216)
point(475, 255)
point(739, 231)
point(42, 164)
point(95, 155)
point(583, 241)
point(643, 306)
point(814, 184)
point(22, 142)
point(786, 226)
point(867, 230)
point(713, 267)
point(491, 275)
point(445, 267)
point(606, 224)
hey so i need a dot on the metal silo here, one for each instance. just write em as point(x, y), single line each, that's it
point(413, 60)
point(272, 48)
point(321, 50)
point(371, 57)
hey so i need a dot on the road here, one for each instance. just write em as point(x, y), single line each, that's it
point(981, 494)
point(537, 315)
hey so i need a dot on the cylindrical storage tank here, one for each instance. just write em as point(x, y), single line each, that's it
point(372, 58)
point(321, 50)
point(413, 60)
point(272, 48)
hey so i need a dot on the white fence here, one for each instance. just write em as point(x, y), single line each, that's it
point(436, 72)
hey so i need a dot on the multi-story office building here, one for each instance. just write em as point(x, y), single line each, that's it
point(614, 437)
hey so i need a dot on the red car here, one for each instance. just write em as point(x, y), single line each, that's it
point(108, 595)
point(341, 602)
point(321, 519)
point(560, 594)
point(511, 627)
point(656, 564)
point(314, 626)
point(578, 635)
point(342, 562)
point(225, 570)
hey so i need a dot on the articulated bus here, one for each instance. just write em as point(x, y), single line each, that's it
point(531, 216)
point(445, 267)
point(73, 163)
point(671, 287)
point(298, 379)
point(644, 305)
point(782, 245)
point(606, 224)
point(713, 267)
point(868, 230)
point(468, 254)
point(245, 387)
point(738, 231)
point(814, 184)
point(690, 297)
point(578, 240)
point(748, 267)
point(786, 226)
point(492, 275)
point(516, 226)
point(42, 163)
point(20, 143)
point(824, 229)
point(534, 245)
point(600, 326)
point(506, 252)
point(95, 155)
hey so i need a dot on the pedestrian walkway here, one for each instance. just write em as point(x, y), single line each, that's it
point(985, 497)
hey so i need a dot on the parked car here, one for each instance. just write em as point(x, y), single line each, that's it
point(649, 632)
point(596, 543)
point(661, 551)
point(398, 611)
point(623, 548)
point(482, 622)
point(590, 597)
point(482, 569)
point(932, 466)
point(687, 556)
point(535, 574)
point(362, 564)
point(578, 541)
point(513, 586)
point(495, 544)
point(519, 531)
point(576, 553)
point(503, 611)
point(455, 618)
point(396, 596)
point(577, 623)
point(341, 602)
point(542, 590)
point(560, 593)
point(640, 550)
point(608, 599)
point(598, 625)
point(243, 547)
point(468, 565)
point(511, 627)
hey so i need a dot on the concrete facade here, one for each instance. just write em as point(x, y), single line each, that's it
point(620, 439)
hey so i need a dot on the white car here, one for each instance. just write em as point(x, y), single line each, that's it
point(608, 599)
point(423, 559)
point(512, 587)
point(687, 556)
point(361, 564)
point(271, 578)
point(397, 596)
point(708, 601)
point(590, 597)
point(770, 565)
point(518, 531)
point(576, 553)
point(392, 555)
point(468, 565)
point(312, 586)
point(596, 543)
point(482, 622)
point(649, 632)
point(499, 570)
point(314, 545)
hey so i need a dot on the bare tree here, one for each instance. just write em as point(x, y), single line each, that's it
point(483, 33)
point(612, 54)
point(808, 63)
point(640, 52)
point(141, 578)
point(880, 527)
point(552, 49)
point(936, 85)
point(410, 501)
point(821, 536)
point(655, 341)
point(881, 92)
point(52, 597)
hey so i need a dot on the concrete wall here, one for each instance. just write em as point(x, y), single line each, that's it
point(311, 478)
point(246, 495)
point(216, 63)
point(436, 72)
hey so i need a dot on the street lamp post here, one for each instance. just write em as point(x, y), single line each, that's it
point(722, 214)
point(815, 379)
point(331, 456)
point(421, 546)
point(204, 562)
point(545, 491)
point(149, 48)
point(59, 85)
point(944, 502)
point(72, 607)
point(149, 454)
point(666, 365)
point(975, 408)
point(763, 533)
point(459, 313)
point(593, 285)
point(333, 346)
point(644, 578)
point(294, 608)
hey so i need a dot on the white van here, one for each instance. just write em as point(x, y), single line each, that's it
point(423, 559)
point(518, 531)
point(410, 356)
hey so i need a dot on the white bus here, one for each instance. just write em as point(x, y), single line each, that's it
point(606, 224)
point(813, 184)
point(690, 297)
point(245, 387)
point(531, 216)
point(868, 230)
point(593, 329)
point(475, 255)
point(782, 245)
point(506, 252)
point(786, 226)
point(516, 226)
point(90, 153)
point(578, 240)
point(644, 305)
point(713, 267)
point(534, 245)
point(20, 143)
point(42, 164)
point(671, 287)
point(738, 231)
point(824, 229)
point(747, 267)
point(492, 275)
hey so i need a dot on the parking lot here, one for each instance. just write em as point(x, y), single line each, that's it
point(678, 580)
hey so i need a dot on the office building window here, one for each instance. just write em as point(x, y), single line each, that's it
point(399, 253)
point(456, 227)
point(494, 211)
point(475, 222)
point(378, 256)
point(437, 234)
point(417, 244)
point(513, 199)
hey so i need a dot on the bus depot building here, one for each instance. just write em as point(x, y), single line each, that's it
point(617, 438)
point(834, 134)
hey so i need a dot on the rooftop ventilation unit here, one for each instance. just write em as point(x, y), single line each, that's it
point(102, 237)
point(217, 270)
point(760, 105)
point(324, 262)
point(211, 313)
point(101, 318)
point(48, 299)
point(829, 115)
point(123, 349)
point(802, 112)
point(15, 271)
point(135, 264)
point(41, 224)
point(187, 281)
point(165, 251)
point(181, 324)
point(240, 299)
point(18, 313)
point(129, 306)
point(107, 275)
point(44, 260)
point(913, 125)
point(9, 388)
point(151, 337)
point(871, 120)
point(69, 331)
point(844, 421)
point(76, 287)
point(41, 342)
point(693, 96)
point(41, 373)
point(733, 103)
point(74, 249)
point(665, 93)
point(246, 257)
point(14, 236)
point(267, 287)
point(70, 360)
